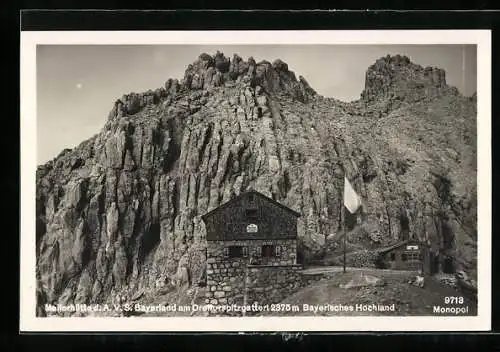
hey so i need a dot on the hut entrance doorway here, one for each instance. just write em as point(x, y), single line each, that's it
point(448, 265)
point(300, 258)
point(434, 263)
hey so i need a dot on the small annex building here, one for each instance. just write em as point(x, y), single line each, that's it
point(417, 256)
point(405, 255)
point(251, 250)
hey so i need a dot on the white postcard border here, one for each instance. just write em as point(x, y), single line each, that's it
point(29, 40)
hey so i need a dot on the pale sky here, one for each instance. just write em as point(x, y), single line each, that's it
point(78, 84)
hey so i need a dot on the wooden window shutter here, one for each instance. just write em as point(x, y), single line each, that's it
point(277, 251)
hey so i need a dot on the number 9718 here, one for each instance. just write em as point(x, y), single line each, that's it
point(453, 300)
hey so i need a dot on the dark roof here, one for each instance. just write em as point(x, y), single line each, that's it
point(238, 197)
point(394, 246)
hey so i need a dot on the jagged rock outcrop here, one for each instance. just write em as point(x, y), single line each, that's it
point(122, 210)
point(399, 78)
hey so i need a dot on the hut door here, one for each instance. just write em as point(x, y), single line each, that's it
point(300, 258)
point(434, 263)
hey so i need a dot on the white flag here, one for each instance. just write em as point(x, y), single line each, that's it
point(351, 199)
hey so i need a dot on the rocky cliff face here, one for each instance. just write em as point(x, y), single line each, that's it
point(122, 210)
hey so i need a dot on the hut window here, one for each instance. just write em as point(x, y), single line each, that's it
point(393, 256)
point(251, 214)
point(245, 252)
point(404, 257)
point(234, 251)
point(236, 228)
point(250, 198)
point(277, 251)
point(259, 251)
point(268, 251)
point(413, 256)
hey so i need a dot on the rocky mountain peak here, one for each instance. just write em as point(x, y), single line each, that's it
point(210, 71)
point(397, 77)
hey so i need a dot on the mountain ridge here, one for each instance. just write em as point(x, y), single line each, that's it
point(122, 209)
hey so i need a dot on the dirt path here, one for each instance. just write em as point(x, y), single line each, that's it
point(339, 269)
point(395, 290)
